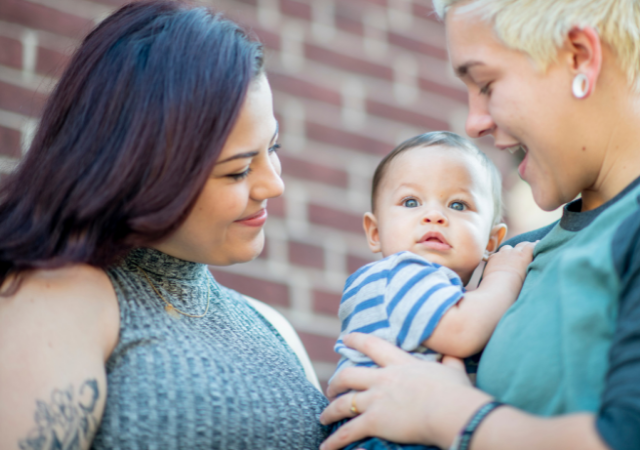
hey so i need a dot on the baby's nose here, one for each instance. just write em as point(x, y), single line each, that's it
point(435, 216)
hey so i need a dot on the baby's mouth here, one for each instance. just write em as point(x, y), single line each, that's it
point(435, 241)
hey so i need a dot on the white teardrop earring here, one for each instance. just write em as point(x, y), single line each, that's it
point(580, 86)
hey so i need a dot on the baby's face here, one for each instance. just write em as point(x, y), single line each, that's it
point(435, 202)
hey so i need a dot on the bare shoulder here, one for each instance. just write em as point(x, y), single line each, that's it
point(77, 299)
point(56, 332)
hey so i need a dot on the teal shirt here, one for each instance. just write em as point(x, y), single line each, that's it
point(549, 353)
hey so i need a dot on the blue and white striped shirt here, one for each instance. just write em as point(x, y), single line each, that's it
point(401, 299)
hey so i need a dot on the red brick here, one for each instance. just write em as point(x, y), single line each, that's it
point(349, 25)
point(10, 142)
point(326, 302)
point(269, 39)
point(10, 52)
point(333, 218)
point(20, 100)
point(405, 116)
point(44, 18)
point(266, 291)
point(447, 91)
point(314, 172)
point(306, 255)
point(335, 136)
point(275, 206)
point(114, 3)
point(358, 7)
point(425, 12)
point(355, 262)
point(319, 348)
point(296, 9)
point(347, 62)
point(417, 46)
point(51, 62)
point(303, 88)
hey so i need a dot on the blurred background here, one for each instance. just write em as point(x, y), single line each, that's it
point(351, 79)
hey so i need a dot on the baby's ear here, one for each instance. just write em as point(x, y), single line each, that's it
point(496, 237)
point(370, 224)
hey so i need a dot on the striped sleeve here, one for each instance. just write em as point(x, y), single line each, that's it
point(400, 298)
point(418, 297)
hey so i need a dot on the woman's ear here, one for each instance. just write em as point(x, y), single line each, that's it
point(584, 50)
point(370, 224)
point(496, 237)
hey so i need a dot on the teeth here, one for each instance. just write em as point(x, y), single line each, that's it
point(515, 148)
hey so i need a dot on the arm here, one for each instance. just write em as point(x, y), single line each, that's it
point(413, 401)
point(465, 328)
point(56, 332)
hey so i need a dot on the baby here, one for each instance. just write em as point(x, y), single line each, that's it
point(436, 210)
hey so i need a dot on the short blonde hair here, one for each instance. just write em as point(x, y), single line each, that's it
point(539, 27)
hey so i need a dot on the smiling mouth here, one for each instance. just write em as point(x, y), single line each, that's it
point(515, 148)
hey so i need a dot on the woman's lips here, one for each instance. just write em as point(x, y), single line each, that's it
point(254, 220)
point(522, 167)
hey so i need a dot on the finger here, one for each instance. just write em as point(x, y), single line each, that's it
point(453, 362)
point(380, 351)
point(352, 431)
point(352, 379)
point(342, 407)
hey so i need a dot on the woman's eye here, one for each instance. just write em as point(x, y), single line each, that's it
point(274, 148)
point(241, 175)
point(458, 206)
point(411, 203)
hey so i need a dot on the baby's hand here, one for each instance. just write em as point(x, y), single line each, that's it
point(511, 260)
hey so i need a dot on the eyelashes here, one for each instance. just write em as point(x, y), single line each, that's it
point(244, 174)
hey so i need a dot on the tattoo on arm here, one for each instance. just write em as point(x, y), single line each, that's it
point(67, 422)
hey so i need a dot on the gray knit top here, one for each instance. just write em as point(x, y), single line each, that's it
point(225, 381)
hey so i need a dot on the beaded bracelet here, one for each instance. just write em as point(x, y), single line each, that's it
point(463, 440)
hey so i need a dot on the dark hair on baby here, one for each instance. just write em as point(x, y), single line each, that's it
point(448, 139)
point(128, 137)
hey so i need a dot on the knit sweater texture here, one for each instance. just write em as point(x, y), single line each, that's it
point(227, 380)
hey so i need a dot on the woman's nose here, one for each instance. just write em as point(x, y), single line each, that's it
point(269, 184)
point(435, 216)
point(479, 121)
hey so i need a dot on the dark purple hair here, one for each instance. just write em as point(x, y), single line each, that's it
point(128, 137)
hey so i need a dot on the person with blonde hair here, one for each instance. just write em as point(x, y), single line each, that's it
point(558, 82)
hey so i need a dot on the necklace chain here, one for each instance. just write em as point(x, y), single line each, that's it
point(172, 310)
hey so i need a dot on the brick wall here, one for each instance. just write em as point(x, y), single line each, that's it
point(351, 79)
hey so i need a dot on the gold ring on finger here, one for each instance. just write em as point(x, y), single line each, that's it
point(354, 407)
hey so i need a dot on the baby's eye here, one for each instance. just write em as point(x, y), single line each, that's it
point(458, 206)
point(410, 203)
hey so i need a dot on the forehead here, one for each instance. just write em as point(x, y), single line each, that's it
point(436, 167)
point(256, 123)
point(471, 40)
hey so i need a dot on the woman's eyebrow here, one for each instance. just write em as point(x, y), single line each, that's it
point(248, 154)
point(238, 156)
point(463, 70)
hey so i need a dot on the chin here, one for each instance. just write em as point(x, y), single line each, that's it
point(547, 201)
point(248, 251)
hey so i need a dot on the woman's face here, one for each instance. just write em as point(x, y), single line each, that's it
point(226, 224)
point(522, 106)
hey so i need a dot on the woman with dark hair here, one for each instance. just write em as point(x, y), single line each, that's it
point(155, 156)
